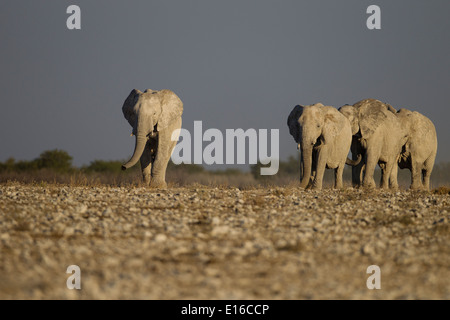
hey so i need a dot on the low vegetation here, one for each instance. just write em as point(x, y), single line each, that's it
point(55, 166)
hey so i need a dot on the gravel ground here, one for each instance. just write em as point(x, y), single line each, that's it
point(222, 243)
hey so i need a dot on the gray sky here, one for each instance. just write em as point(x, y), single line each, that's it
point(235, 64)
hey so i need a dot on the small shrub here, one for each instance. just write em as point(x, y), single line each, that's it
point(104, 166)
point(58, 160)
point(442, 190)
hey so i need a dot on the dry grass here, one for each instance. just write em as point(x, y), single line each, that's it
point(177, 177)
point(442, 190)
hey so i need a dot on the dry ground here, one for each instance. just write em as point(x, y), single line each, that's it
point(222, 243)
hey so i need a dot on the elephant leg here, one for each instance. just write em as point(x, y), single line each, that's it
point(371, 162)
point(356, 149)
point(146, 166)
point(315, 161)
point(358, 173)
point(165, 148)
point(320, 169)
point(147, 159)
point(429, 163)
point(416, 175)
point(159, 172)
point(387, 174)
point(339, 172)
point(383, 172)
point(426, 179)
point(393, 180)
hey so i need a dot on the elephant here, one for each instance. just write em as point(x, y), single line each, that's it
point(155, 117)
point(378, 136)
point(419, 152)
point(324, 136)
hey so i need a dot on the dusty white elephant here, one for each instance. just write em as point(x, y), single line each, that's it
point(154, 116)
point(379, 136)
point(419, 152)
point(324, 136)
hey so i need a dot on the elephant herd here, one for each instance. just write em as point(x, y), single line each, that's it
point(374, 132)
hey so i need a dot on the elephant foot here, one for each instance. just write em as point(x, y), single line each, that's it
point(305, 186)
point(147, 181)
point(369, 186)
point(384, 187)
point(316, 186)
point(339, 184)
point(158, 184)
point(416, 187)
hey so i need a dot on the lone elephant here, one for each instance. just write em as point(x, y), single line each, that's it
point(419, 152)
point(155, 117)
point(324, 136)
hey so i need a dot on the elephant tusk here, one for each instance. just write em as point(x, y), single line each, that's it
point(298, 146)
point(131, 134)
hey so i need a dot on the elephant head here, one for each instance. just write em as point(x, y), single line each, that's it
point(308, 126)
point(365, 116)
point(149, 113)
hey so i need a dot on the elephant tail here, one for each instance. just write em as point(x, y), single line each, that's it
point(354, 163)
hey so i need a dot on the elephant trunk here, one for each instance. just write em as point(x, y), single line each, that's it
point(307, 162)
point(141, 141)
point(354, 163)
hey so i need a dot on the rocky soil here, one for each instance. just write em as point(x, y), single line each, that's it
point(222, 243)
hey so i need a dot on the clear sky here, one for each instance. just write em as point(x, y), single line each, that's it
point(234, 64)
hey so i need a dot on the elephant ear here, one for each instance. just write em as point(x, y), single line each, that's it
point(371, 114)
point(331, 124)
point(128, 106)
point(292, 122)
point(391, 108)
point(348, 111)
point(171, 108)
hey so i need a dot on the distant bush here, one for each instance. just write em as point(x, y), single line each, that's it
point(188, 168)
point(104, 166)
point(286, 169)
point(8, 165)
point(26, 165)
point(58, 160)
